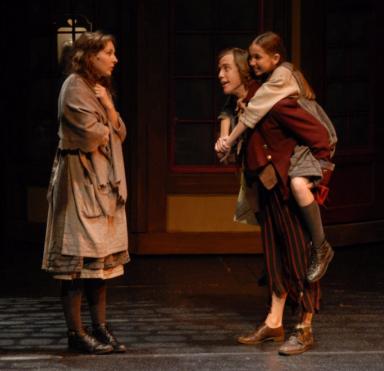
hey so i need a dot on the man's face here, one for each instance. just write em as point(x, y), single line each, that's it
point(229, 75)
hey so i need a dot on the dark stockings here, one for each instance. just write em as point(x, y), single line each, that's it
point(71, 296)
point(71, 293)
point(96, 294)
point(313, 221)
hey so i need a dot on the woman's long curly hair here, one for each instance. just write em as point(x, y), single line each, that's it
point(86, 46)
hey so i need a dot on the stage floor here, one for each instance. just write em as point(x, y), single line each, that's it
point(184, 313)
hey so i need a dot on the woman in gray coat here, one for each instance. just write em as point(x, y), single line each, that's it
point(86, 237)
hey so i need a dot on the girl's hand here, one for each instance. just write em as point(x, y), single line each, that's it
point(222, 145)
point(102, 94)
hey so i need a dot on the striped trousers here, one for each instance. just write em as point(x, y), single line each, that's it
point(286, 250)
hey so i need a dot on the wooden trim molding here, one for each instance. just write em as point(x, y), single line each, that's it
point(245, 242)
point(197, 243)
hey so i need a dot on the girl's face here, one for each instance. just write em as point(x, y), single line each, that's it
point(260, 61)
point(229, 75)
point(105, 60)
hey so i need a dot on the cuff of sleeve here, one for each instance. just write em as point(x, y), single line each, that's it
point(223, 115)
point(247, 122)
point(325, 164)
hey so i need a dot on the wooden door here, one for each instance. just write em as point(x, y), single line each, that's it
point(177, 104)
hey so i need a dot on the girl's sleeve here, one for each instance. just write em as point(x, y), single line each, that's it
point(281, 84)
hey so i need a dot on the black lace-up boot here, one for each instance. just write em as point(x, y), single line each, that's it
point(85, 343)
point(103, 333)
point(320, 259)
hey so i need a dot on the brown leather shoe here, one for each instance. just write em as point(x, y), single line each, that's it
point(320, 259)
point(299, 342)
point(262, 334)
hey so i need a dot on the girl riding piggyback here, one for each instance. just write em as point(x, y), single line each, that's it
point(309, 177)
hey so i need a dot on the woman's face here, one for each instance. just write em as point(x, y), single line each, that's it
point(260, 61)
point(105, 60)
point(229, 75)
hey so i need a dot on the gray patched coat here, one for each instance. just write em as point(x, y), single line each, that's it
point(87, 190)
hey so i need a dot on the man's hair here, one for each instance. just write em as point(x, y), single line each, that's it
point(240, 57)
